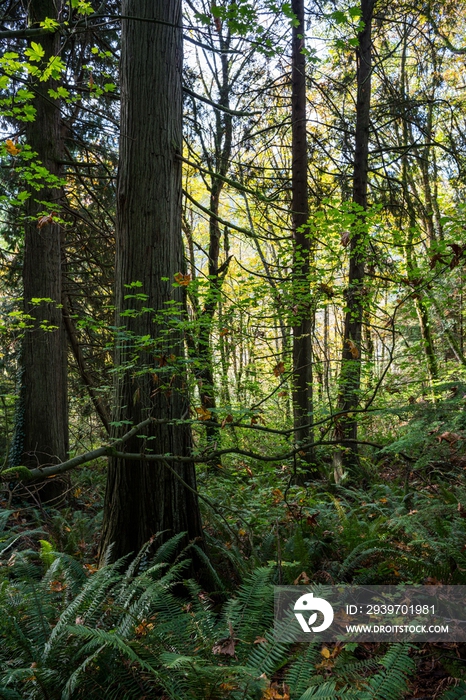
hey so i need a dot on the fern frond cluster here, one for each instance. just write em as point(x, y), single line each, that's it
point(128, 633)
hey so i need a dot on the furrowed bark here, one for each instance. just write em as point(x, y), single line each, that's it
point(43, 409)
point(143, 499)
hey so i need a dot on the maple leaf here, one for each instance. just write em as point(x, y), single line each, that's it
point(345, 238)
point(312, 519)
point(226, 646)
point(302, 578)
point(142, 629)
point(182, 280)
point(11, 147)
point(353, 349)
point(203, 413)
point(44, 220)
point(279, 369)
point(57, 586)
point(227, 419)
point(275, 692)
point(326, 289)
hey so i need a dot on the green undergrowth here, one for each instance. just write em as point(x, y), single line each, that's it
point(397, 529)
point(143, 630)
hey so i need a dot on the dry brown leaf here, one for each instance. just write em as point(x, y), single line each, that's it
point(277, 691)
point(227, 419)
point(451, 438)
point(345, 238)
point(302, 578)
point(44, 220)
point(226, 646)
point(279, 369)
point(353, 349)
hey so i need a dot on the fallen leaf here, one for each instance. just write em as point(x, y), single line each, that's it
point(225, 646)
point(277, 691)
point(277, 496)
point(57, 586)
point(302, 578)
point(91, 568)
point(451, 438)
point(143, 628)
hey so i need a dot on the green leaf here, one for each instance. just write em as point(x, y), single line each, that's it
point(49, 23)
point(35, 52)
point(354, 12)
point(339, 17)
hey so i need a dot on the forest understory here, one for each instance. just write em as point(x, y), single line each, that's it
point(232, 324)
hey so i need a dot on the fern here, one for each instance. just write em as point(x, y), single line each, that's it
point(456, 693)
point(390, 684)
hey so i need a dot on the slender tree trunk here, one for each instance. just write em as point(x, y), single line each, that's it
point(412, 269)
point(143, 499)
point(43, 413)
point(350, 377)
point(217, 271)
point(303, 323)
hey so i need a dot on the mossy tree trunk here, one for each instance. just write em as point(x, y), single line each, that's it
point(350, 376)
point(303, 314)
point(43, 413)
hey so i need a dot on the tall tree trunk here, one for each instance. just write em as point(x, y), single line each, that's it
point(43, 413)
point(217, 271)
point(144, 498)
point(413, 273)
point(350, 377)
point(302, 325)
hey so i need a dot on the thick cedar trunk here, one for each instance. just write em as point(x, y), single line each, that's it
point(143, 498)
point(302, 326)
point(350, 377)
point(43, 414)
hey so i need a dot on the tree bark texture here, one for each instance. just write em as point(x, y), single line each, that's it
point(302, 326)
point(143, 498)
point(43, 413)
point(350, 377)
